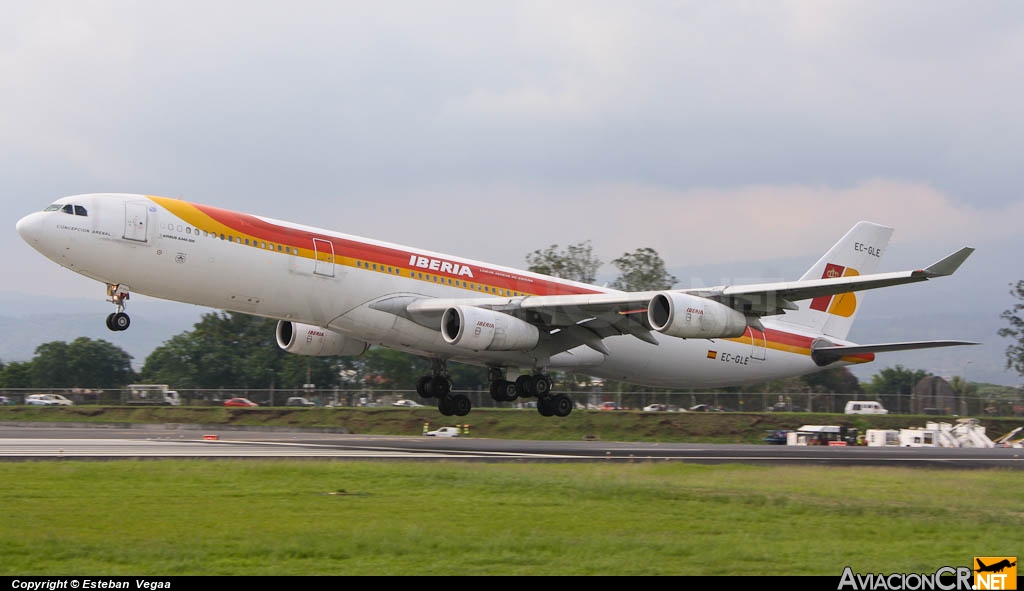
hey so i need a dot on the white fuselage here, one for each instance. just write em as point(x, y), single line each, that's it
point(211, 257)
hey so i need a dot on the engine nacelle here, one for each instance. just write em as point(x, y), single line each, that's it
point(686, 316)
point(304, 339)
point(478, 329)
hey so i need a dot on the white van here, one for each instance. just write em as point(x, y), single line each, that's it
point(865, 407)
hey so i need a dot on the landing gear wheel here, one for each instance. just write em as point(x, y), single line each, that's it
point(440, 386)
point(523, 386)
point(423, 387)
point(510, 389)
point(446, 405)
point(545, 406)
point(118, 321)
point(540, 385)
point(503, 391)
point(561, 405)
point(461, 405)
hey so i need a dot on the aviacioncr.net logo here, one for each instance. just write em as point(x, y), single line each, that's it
point(946, 578)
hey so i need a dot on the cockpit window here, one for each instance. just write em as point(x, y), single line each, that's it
point(69, 209)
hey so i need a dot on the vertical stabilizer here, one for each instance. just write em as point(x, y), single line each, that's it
point(856, 253)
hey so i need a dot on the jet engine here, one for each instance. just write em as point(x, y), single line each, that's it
point(304, 339)
point(478, 329)
point(686, 316)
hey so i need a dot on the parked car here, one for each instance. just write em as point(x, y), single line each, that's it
point(406, 403)
point(47, 400)
point(299, 401)
point(784, 407)
point(6, 401)
point(655, 408)
point(444, 432)
point(609, 406)
point(702, 408)
point(239, 402)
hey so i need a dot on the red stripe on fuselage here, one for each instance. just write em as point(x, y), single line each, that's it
point(382, 255)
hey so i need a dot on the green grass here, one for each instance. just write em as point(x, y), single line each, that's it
point(254, 517)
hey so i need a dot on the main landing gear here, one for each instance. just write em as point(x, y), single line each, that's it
point(438, 385)
point(118, 321)
point(538, 385)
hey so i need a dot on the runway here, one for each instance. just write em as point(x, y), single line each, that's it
point(20, 441)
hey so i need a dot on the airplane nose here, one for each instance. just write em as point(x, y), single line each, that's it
point(30, 228)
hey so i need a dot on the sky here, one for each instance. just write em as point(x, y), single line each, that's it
point(725, 135)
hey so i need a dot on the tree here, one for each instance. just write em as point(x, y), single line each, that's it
point(234, 351)
point(837, 380)
point(1015, 316)
point(576, 263)
point(894, 384)
point(84, 363)
point(17, 374)
point(642, 270)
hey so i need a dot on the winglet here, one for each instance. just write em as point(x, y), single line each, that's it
point(950, 264)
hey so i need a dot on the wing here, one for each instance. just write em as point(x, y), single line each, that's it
point(562, 322)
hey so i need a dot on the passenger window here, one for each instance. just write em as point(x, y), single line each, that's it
point(188, 230)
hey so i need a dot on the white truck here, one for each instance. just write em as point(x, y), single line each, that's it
point(150, 395)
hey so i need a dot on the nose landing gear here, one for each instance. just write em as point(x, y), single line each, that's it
point(119, 320)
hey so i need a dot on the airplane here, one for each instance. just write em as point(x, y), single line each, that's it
point(995, 567)
point(336, 294)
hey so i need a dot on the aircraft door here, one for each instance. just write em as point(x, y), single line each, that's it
point(136, 221)
point(323, 252)
point(758, 343)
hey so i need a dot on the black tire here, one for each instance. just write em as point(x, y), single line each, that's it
point(561, 405)
point(545, 406)
point(523, 386)
point(511, 390)
point(446, 405)
point(540, 385)
point(461, 405)
point(440, 386)
point(423, 387)
point(110, 322)
point(120, 321)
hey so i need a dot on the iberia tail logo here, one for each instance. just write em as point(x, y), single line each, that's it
point(842, 304)
point(995, 572)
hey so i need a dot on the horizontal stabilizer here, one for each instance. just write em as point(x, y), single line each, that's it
point(825, 354)
point(950, 264)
